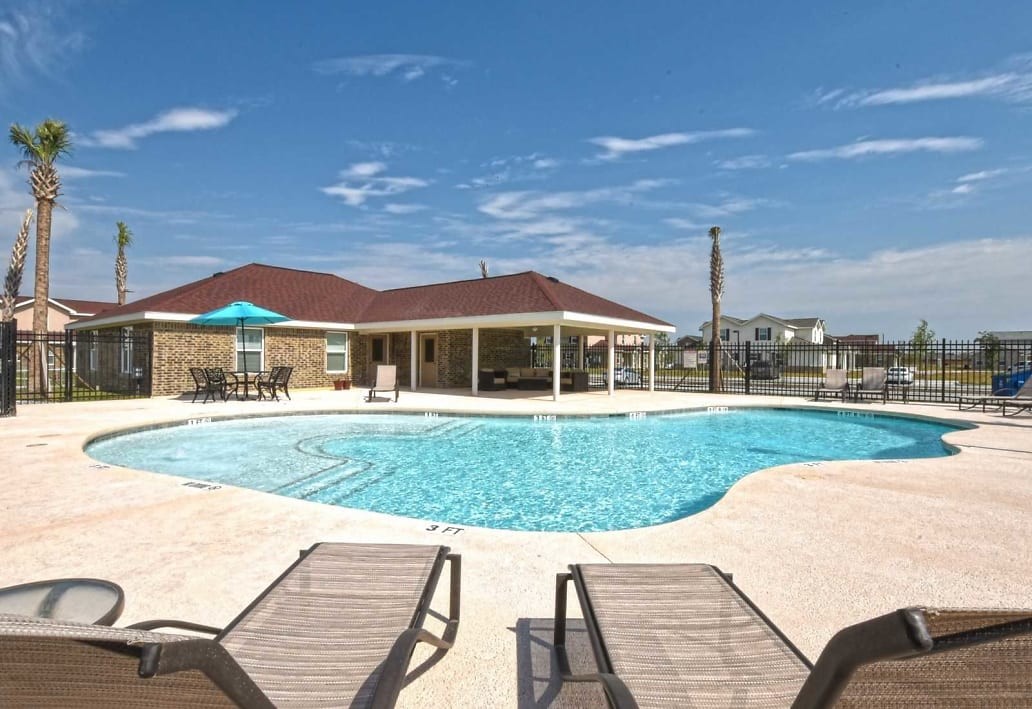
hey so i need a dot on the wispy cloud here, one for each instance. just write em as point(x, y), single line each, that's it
point(983, 175)
point(1012, 83)
point(176, 120)
point(731, 206)
point(514, 168)
point(70, 172)
point(745, 162)
point(531, 204)
point(865, 148)
point(687, 224)
point(381, 148)
point(395, 208)
point(408, 67)
point(35, 41)
point(615, 147)
point(364, 180)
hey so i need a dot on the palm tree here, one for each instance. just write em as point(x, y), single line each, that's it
point(123, 238)
point(40, 150)
point(716, 286)
point(12, 284)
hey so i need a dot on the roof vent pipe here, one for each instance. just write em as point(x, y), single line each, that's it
point(553, 279)
point(217, 274)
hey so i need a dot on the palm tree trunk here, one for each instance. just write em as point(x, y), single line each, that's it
point(41, 294)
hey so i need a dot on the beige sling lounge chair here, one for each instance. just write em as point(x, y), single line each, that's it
point(386, 380)
point(873, 382)
point(835, 383)
point(1022, 396)
point(337, 629)
point(683, 635)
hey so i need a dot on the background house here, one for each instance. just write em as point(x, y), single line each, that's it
point(438, 335)
point(60, 311)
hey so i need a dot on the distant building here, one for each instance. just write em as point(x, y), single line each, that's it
point(60, 311)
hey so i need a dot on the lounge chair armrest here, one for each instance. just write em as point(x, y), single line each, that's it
point(180, 624)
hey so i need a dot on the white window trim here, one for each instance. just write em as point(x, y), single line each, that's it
point(240, 333)
point(126, 350)
point(345, 351)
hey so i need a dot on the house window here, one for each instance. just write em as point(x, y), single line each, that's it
point(92, 353)
point(127, 350)
point(337, 351)
point(725, 334)
point(250, 349)
point(763, 334)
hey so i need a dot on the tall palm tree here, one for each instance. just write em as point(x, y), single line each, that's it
point(40, 150)
point(123, 238)
point(716, 286)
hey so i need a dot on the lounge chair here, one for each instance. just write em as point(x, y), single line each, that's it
point(386, 380)
point(336, 629)
point(224, 382)
point(873, 382)
point(998, 399)
point(202, 383)
point(673, 635)
point(276, 381)
point(835, 382)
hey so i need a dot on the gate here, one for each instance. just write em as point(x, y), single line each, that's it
point(81, 365)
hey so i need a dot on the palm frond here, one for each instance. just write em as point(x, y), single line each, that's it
point(124, 237)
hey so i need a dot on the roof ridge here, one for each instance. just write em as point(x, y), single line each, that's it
point(461, 280)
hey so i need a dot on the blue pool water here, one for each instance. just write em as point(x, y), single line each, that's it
point(570, 474)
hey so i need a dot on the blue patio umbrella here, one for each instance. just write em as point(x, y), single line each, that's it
point(238, 314)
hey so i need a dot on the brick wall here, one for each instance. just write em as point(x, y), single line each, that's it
point(454, 358)
point(504, 348)
point(179, 346)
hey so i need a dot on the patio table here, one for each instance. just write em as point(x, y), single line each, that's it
point(247, 379)
point(78, 599)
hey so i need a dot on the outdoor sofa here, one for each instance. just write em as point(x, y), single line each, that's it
point(336, 629)
point(541, 378)
point(679, 635)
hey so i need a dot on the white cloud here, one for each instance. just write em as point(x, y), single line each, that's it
point(731, 206)
point(864, 148)
point(745, 162)
point(983, 175)
point(393, 208)
point(35, 41)
point(364, 180)
point(1012, 83)
point(176, 120)
point(408, 67)
point(529, 204)
point(963, 189)
point(687, 224)
point(70, 172)
point(546, 163)
point(514, 168)
point(616, 147)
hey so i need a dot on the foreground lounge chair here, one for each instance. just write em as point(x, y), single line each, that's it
point(835, 383)
point(386, 380)
point(337, 629)
point(998, 399)
point(683, 635)
point(873, 382)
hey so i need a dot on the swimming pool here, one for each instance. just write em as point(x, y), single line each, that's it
point(542, 473)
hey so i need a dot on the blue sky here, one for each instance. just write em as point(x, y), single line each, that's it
point(868, 166)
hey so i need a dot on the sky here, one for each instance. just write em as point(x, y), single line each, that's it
point(870, 166)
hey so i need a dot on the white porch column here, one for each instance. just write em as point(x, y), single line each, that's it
point(556, 363)
point(611, 370)
point(414, 359)
point(476, 361)
point(652, 362)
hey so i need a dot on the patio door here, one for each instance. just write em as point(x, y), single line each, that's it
point(428, 360)
point(378, 346)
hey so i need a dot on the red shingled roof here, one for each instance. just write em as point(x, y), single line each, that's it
point(300, 295)
point(527, 292)
point(324, 297)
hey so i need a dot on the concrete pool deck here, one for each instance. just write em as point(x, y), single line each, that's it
point(817, 546)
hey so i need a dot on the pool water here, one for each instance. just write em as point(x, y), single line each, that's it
point(568, 474)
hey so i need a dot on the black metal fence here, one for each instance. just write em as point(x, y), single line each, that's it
point(81, 366)
point(7, 369)
point(940, 371)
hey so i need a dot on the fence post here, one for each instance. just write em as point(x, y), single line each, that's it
point(748, 367)
point(942, 365)
point(69, 363)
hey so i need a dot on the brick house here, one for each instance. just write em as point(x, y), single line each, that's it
point(339, 328)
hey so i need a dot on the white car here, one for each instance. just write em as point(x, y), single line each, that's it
point(900, 375)
point(626, 376)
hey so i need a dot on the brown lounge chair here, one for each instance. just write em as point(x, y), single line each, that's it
point(835, 383)
point(386, 380)
point(873, 382)
point(337, 629)
point(680, 635)
point(1021, 397)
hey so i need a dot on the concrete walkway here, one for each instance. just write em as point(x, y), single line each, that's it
point(816, 546)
